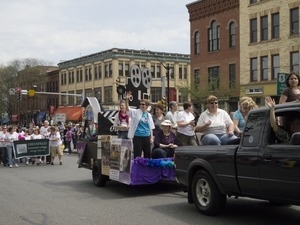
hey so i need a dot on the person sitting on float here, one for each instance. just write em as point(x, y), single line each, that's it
point(164, 141)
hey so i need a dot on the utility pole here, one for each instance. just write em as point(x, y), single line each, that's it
point(167, 68)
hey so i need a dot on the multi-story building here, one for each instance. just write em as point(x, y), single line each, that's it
point(215, 49)
point(270, 44)
point(100, 73)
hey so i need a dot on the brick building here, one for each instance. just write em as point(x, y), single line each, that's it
point(215, 49)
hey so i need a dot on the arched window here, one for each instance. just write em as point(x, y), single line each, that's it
point(197, 42)
point(232, 35)
point(214, 37)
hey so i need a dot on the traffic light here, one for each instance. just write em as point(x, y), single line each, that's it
point(19, 94)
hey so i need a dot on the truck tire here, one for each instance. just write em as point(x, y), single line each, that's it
point(206, 194)
point(98, 178)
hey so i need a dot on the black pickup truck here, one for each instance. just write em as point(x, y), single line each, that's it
point(257, 166)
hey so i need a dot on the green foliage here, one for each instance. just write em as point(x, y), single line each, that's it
point(19, 73)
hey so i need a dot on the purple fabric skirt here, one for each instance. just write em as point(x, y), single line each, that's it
point(150, 171)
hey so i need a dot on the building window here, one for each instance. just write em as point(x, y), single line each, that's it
point(98, 94)
point(264, 28)
point(185, 72)
point(232, 74)
point(156, 94)
point(78, 99)
point(71, 98)
point(275, 25)
point(253, 1)
point(264, 67)
point(71, 77)
point(80, 75)
point(180, 73)
point(98, 72)
point(232, 35)
point(89, 92)
point(214, 78)
point(88, 74)
point(171, 71)
point(158, 73)
point(110, 70)
point(275, 66)
point(126, 69)
point(197, 42)
point(294, 21)
point(253, 69)
point(214, 37)
point(152, 70)
point(121, 69)
point(108, 94)
point(253, 30)
point(106, 70)
point(295, 62)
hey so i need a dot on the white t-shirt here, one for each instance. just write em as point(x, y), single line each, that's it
point(55, 139)
point(186, 117)
point(2, 139)
point(172, 117)
point(10, 138)
point(219, 121)
point(44, 131)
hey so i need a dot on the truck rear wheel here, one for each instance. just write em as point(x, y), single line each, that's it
point(206, 194)
point(98, 178)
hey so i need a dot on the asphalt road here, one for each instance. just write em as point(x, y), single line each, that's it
point(48, 195)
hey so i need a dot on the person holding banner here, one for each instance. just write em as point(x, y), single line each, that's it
point(292, 93)
point(55, 143)
point(36, 135)
point(10, 137)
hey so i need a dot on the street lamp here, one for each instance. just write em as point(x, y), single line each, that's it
point(167, 68)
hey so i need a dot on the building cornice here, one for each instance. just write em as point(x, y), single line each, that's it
point(146, 55)
point(205, 8)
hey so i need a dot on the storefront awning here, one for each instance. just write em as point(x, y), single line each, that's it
point(73, 113)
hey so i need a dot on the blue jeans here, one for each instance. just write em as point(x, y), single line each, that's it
point(217, 139)
point(11, 158)
point(4, 155)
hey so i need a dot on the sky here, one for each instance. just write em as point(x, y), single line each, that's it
point(57, 30)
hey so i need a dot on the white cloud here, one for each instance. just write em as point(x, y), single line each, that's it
point(62, 29)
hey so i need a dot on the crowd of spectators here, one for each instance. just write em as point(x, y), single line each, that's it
point(62, 137)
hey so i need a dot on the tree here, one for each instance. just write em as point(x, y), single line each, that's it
point(199, 93)
point(22, 73)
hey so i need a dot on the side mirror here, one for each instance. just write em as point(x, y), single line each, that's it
point(295, 139)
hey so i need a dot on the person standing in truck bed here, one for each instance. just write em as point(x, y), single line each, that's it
point(141, 128)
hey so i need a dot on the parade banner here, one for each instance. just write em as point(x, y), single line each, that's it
point(31, 148)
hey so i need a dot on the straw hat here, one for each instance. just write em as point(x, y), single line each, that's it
point(166, 123)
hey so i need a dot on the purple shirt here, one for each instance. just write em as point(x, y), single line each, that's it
point(160, 138)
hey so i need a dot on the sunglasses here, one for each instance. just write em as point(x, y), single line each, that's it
point(215, 103)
